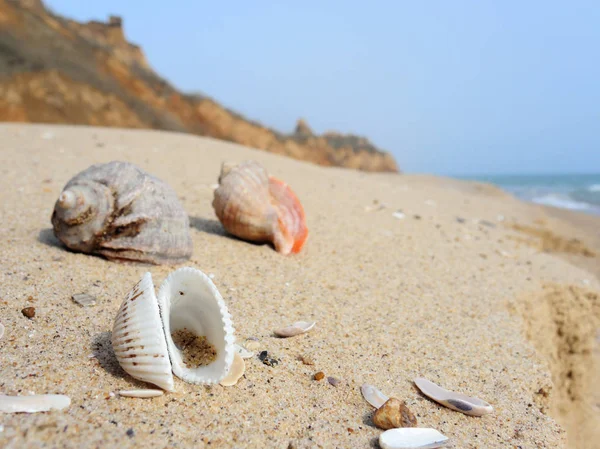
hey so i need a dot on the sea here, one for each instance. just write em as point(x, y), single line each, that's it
point(579, 192)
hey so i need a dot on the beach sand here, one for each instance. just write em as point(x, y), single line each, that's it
point(452, 292)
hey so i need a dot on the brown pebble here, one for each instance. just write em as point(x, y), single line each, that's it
point(394, 414)
point(29, 312)
point(350, 430)
point(319, 376)
point(333, 381)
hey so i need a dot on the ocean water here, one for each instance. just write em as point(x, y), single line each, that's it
point(577, 192)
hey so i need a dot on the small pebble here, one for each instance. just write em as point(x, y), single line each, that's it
point(333, 381)
point(394, 414)
point(267, 360)
point(319, 375)
point(29, 312)
point(130, 433)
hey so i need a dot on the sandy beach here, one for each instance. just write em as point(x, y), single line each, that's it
point(467, 286)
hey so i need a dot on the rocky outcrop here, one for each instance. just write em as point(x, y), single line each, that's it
point(56, 70)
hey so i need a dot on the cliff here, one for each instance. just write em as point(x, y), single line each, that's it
point(56, 70)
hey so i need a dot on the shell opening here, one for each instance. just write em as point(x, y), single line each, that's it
point(196, 350)
point(193, 311)
point(292, 232)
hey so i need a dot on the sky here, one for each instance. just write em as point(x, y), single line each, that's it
point(448, 87)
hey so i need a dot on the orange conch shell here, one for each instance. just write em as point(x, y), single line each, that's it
point(257, 207)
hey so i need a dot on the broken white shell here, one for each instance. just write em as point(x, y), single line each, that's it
point(412, 437)
point(299, 327)
point(243, 352)
point(373, 396)
point(455, 401)
point(142, 338)
point(33, 404)
point(138, 338)
point(252, 344)
point(189, 299)
point(148, 393)
point(238, 368)
point(1, 330)
point(84, 299)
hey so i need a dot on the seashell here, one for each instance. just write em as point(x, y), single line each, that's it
point(189, 309)
point(299, 327)
point(122, 213)
point(84, 299)
point(412, 437)
point(243, 352)
point(138, 338)
point(189, 299)
point(147, 393)
point(252, 344)
point(394, 414)
point(1, 330)
point(455, 401)
point(238, 367)
point(33, 404)
point(373, 396)
point(260, 208)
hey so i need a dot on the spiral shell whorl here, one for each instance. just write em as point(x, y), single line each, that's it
point(123, 213)
point(81, 213)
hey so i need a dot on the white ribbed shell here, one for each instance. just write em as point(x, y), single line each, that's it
point(142, 330)
point(138, 337)
point(188, 298)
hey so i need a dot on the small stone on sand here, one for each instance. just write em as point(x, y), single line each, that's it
point(267, 360)
point(29, 312)
point(319, 375)
point(333, 381)
point(394, 414)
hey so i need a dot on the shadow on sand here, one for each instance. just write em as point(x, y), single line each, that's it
point(208, 225)
point(215, 227)
point(46, 236)
point(103, 351)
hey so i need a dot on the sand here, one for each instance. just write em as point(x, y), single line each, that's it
point(450, 291)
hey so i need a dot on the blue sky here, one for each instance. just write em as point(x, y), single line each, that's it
point(449, 87)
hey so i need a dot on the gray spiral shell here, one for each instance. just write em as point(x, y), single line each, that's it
point(123, 213)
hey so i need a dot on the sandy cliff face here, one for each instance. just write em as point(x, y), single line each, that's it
point(55, 70)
